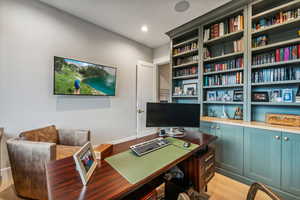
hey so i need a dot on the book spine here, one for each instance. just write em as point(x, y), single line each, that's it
point(298, 50)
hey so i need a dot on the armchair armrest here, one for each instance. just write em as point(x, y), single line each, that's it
point(73, 137)
point(28, 161)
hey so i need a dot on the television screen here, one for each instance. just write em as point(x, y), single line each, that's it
point(73, 77)
point(172, 115)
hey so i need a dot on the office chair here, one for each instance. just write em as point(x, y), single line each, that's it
point(255, 187)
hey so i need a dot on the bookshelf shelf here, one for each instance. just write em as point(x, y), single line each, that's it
point(276, 83)
point(223, 38)
point(185, 96)
point(275, 104)
point(185, 42)
point(223, 86)
point(186, 77)
point(186, 53)
point(223, 71)
point(283, 25)
point(272, 11)
point(186, 64)
point(275, 45)
point(224, 56)
point(276, 64)
point(223, 102)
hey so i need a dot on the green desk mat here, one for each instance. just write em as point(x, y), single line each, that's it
point(134, 168)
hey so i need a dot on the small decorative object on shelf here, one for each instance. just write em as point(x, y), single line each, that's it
point(238, 114)
point(283, 119)
point(212, 113)
point(190, 89)
point(298, 33)
point(260, 41)
point(224, 114)
point(260, 96)
point(211, 96)
point(238, 95)
point(177, 91)
point(298, 95)
point(227, 96)
point(287, 95)
point(276, 95)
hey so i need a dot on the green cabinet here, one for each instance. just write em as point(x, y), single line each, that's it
point(229, 148)
point(291, 163)
point(208, 128)
point(262, 156)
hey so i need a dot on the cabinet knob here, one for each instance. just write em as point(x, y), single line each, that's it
point(286, 138)
point(217, 127)
point(212, 127)
point(277, 137)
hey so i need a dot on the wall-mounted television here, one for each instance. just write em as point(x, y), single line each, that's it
point(74, 77)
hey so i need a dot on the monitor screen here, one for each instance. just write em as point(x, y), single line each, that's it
point(172, 115)
point(73, 77)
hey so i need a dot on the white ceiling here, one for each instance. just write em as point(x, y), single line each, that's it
point(126, 17)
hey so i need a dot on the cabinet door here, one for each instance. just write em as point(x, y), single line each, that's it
point(262, 158)
point(207, 127)
point(291, 163)
point(229, 148)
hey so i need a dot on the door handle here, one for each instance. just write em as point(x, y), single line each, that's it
point(140, 111)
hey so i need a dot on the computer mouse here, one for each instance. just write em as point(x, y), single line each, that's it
point(186, 144)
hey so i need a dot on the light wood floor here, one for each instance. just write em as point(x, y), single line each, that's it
point(219, 188)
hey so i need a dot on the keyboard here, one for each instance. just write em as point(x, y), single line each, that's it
point(149, 146)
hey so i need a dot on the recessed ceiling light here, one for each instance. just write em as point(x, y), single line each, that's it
point(182, 6)
point(144, 28)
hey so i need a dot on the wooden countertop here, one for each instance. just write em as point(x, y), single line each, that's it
point(253, 124)
point(63, 181)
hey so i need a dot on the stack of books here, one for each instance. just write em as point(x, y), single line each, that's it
point(184, 60)
point(186, 48)
point(221, 80)
point(238, 45)
point(186, 72)
point(230, 25)
point(278, 55)
point(276, 74)
point(279, 18)
point(224, 65)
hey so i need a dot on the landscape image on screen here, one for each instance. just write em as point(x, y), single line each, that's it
point(72, 77)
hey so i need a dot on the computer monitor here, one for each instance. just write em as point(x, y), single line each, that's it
point(172, 115)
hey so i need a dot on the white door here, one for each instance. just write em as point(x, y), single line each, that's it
point(146, 92)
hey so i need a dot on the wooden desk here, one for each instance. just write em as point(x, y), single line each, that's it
point(63, 181)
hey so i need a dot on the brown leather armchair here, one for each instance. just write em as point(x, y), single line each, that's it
point(29, 153)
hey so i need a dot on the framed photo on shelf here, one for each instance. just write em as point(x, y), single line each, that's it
point(211, 95)
point(86, 163)
point(228, 96)
point(276, 95)
point(260, 96)
point(238, 95)
point(190, 89)
point(287, 95)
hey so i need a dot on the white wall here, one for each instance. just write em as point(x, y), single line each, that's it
point(31, 33)
point(161, 53)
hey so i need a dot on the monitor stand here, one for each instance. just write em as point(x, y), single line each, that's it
point(174, 132)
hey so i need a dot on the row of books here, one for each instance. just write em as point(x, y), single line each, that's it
point(238, 46)
point(223, 80)
point(277, 55)
point(230, 25)
point(276, 74)
point(189, 47)
point(224, 65)
point(259, 41)
point(279, 18)
point(186, 71)
point(180, 61)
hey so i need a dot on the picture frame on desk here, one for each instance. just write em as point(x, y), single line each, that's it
point(287, 95)
point(86, 163)
point(260, 97)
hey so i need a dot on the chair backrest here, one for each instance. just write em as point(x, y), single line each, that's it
point(255, 187)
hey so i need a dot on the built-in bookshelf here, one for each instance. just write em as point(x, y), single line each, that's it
point(223, 64)
point(249, 50)
point(274, 53)
point(185, 68)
